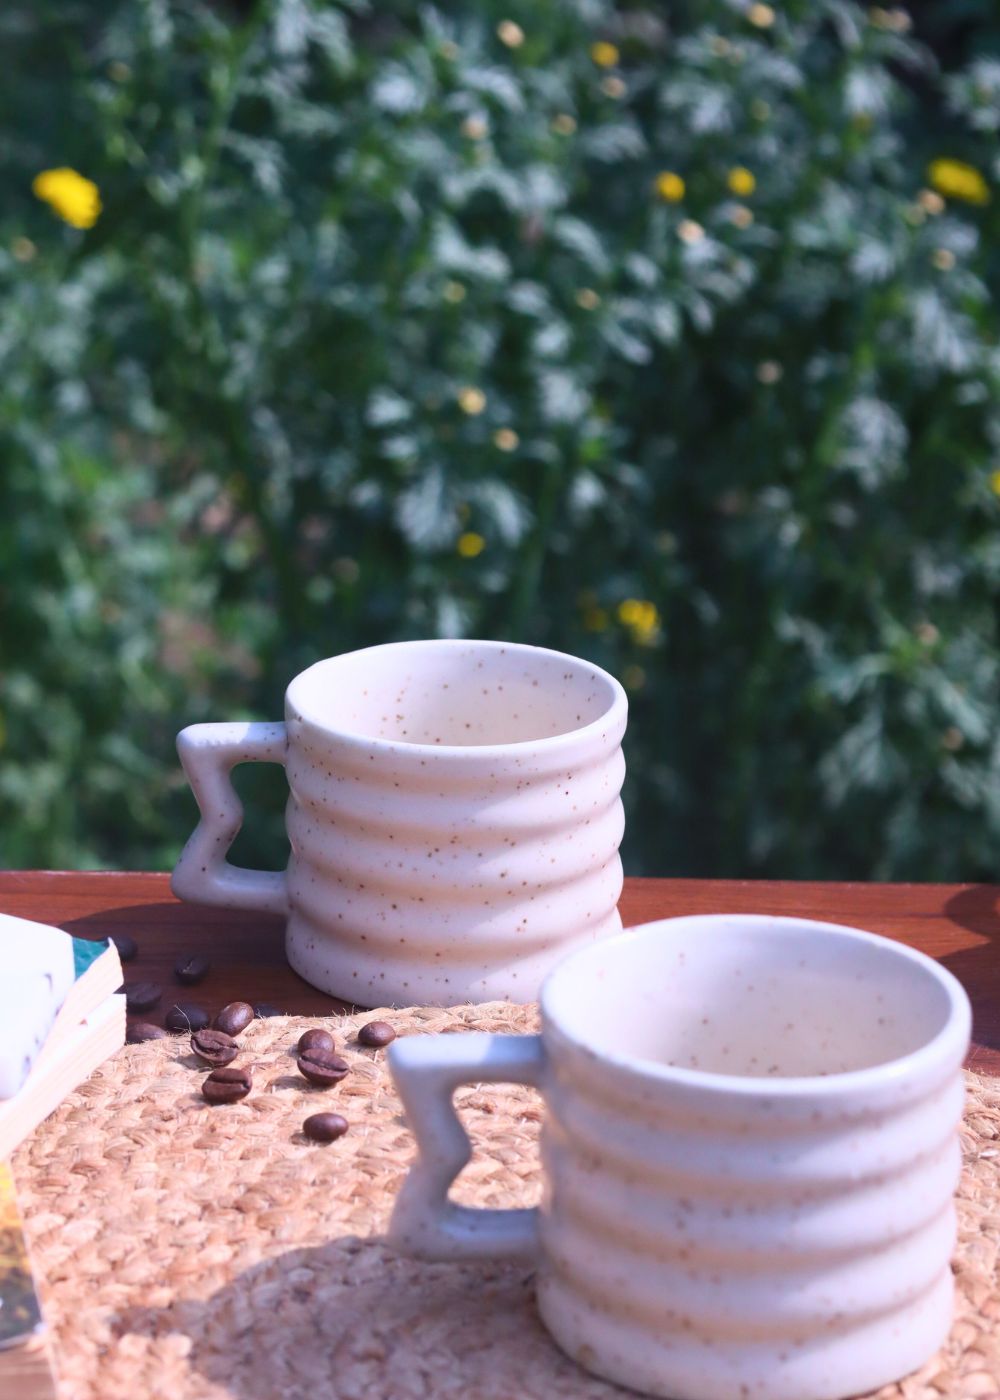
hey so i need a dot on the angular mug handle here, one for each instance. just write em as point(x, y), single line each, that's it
point(427, 1070)
point(208, 754)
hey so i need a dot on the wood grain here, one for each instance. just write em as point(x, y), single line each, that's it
point(959, 924)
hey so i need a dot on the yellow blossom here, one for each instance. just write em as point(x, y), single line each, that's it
point(471, 400)
point(760, 110)
point(23, 249)
point(633, 677)
point(587, 298)
point(943, 259)
point(506, 439)
point(956, 180)
point(995, 482)
point(595, 619)
point(605, 55)
point(769, 371)
point(641, 618)
point(688, 231)
point(474, 128)
point(670, 186)
point(510, 34)
point(952, 739)
point(741, 216)
point(762, 16)
point(564, 124)
point(72, 196)
point(454, 292)
point(448, 50)
point(470, 544)
point(613, 86)
point(741, 181)
point(119, 72)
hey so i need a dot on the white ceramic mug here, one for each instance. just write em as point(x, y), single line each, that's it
point(749, 1156)
point(454, 818)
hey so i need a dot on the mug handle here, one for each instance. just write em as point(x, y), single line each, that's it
point(208, 754)
point(427, 1070)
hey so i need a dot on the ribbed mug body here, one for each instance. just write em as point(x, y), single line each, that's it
point(704, 1237)
point(426, 872)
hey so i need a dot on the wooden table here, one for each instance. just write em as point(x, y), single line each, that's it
point(959, 924)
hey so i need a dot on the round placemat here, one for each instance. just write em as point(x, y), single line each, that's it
point(186, 1252)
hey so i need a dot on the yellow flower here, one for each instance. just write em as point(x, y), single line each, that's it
point(474, 128)
point(605, 55)
point(761, 15)
point(995, 482)
point(957, 180)
point(613, 86)
point(23, 249)
point(760, 110)
point(741, 216)
point(769, 371)
point(741, 181)
point(470, 544)
point(454, 292)
point(506, 439)
point(510, 34)
point(564, 124)
point(688, 231)
point(633, 678)
point(72, 196)
point(670, 186)
point(641, 618)
point(943, 259)
point(471, 400)
point(587, 298)
point(595, 619)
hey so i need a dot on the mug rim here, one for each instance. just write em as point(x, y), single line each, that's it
point(615, 713)
point(952, 1037)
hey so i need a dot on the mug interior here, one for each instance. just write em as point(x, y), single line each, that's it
point(750, 996)
point(454, 693)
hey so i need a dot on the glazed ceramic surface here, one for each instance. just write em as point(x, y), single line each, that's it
point(454, 818)
point(750, 1152)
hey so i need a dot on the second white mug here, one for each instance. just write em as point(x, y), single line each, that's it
point(454, 818)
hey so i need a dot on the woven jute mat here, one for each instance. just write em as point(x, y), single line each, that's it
point(194, 1253)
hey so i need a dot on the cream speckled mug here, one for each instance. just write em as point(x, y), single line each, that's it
point(454, 818)
point(749, 1155)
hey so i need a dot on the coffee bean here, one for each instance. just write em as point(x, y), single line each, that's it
point(227, 1085)
point(264, 1009)
point(316, 1040)
point(139, 1031)
point(234, 1018)
point(194, 968)
point(127, 947)
point(322, 1067)
point(376, 1034)
point(142, 996)
point(214, 1047)
point(325, 1127)
point(182, 1016)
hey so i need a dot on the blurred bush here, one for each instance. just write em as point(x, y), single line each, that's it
point(638, 331)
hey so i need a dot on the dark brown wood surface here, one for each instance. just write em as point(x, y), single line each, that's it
point(959, 924)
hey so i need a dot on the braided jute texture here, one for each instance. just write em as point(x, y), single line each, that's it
point(188, 1252)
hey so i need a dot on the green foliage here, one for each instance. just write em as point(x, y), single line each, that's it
point(237, 431)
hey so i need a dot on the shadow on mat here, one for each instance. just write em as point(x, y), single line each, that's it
point(352, 1320)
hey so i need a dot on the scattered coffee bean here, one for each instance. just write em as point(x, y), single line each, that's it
point(263, 1010)
point(325, 1127)
point(182, 1016)
point(234, 1018)
point(376, 1034)
point(139, 1031)
point(316, 1040)
point(142, 996)
point(127, 947)
point(322, 1067)
point(214, 1047)
point(192, 969)
point(227, 1085)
